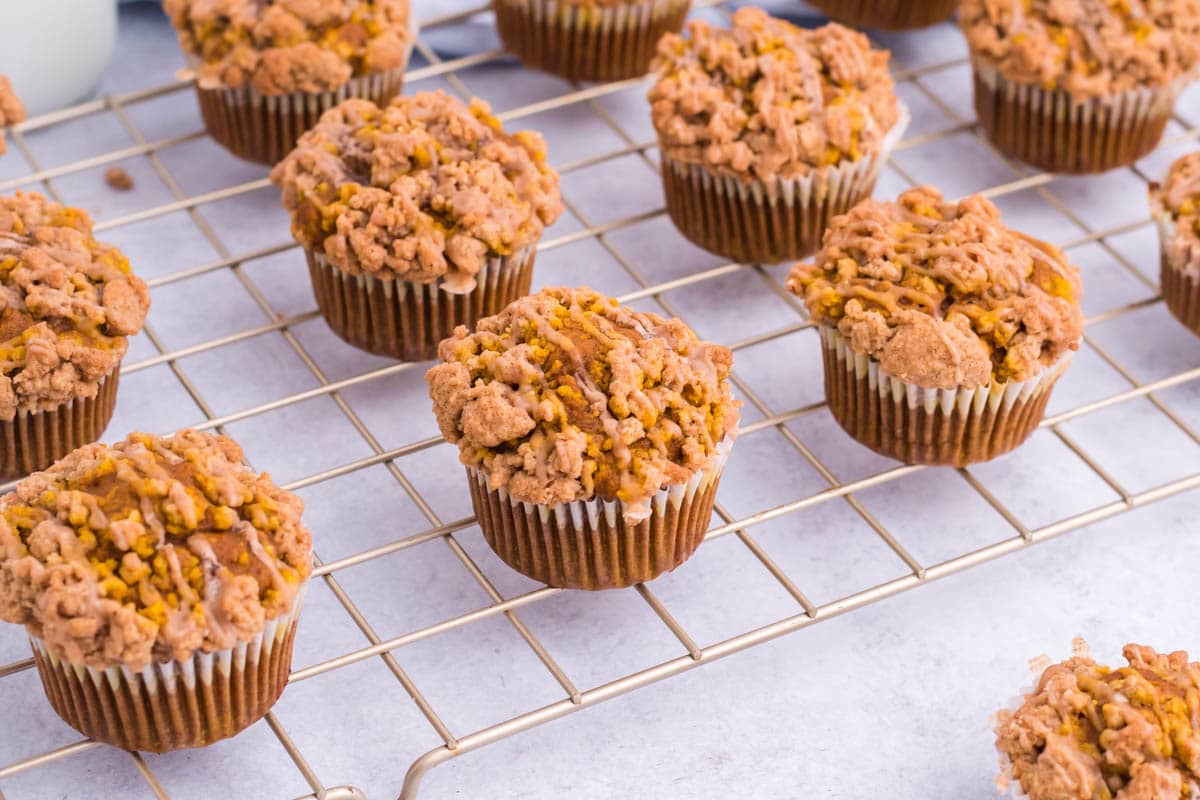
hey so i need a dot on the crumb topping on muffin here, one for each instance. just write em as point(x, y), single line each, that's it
point(1090, 731)
point(285, 46)
point(1177, 200)
point(770, 100)
point(67, 304)
point(1089, 48)
point(943, 295)
point(566, 395)
point(421, 189)
point(151, 549)
point(12, 110)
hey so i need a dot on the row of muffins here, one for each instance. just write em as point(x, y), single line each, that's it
point(517, 415)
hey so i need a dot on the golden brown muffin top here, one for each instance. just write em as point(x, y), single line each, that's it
point(12, 110)
point(1090, 48)
point(1090, 731)
point(424, 188)
point(285, 46)
point(67, 304)
point(767, 99)
point(943, 295)
point(566, 395)
point(1176, 204)
point(151, 549)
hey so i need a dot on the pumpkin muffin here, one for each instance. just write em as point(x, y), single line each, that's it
point(891, 15)
point(417, 217)
point(267, 69)
point(70, 303)
point(1176, 207)
point(160, 581)
point(768, 131)
point(593, 435)
point(1079, 86)
point(943, 331)
point(12, 110)
point(588, 40)
point(1088, 731)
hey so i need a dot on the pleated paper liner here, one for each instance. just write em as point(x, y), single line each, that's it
point(1180, 285)
point(588, 544)
point(891, 15)
point(33, 441)
point(588, 42)
point(1052, 131)
point(173, 705)
point(407, 319)
point(930, 426)
point(265, 128)
point(765, 222)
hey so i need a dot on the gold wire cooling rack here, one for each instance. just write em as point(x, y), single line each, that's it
point(573, 698)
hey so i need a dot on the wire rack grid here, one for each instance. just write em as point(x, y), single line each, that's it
point(764, 415)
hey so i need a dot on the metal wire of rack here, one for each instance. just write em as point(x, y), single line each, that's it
point(574, 698)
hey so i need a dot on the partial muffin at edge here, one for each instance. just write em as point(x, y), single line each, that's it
point(1089, 731)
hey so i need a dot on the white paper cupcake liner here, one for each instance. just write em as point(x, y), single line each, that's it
point(1057, 132)
point(919, 425)
point(173, 705)
point(407, 319)
point(588, 42)
point(599, 544)
point(758, 221)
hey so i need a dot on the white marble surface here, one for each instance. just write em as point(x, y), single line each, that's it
point(892, 700)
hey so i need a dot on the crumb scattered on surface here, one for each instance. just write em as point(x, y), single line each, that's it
point(118, 179)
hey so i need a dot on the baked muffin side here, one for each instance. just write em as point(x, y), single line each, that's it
point(943, 331)
point(416, 217)
point(768, 131)
point(1077, 86)
point(70, 302)
point(612, 424)
point(166, 568)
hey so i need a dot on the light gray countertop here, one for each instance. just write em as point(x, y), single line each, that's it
point(890, 700)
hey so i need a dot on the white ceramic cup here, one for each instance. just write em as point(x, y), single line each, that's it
point(55, 51)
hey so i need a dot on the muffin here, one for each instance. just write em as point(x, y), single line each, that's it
point(160, 581)
point(942, 331)
point(417, 217)
point(267, 69)
point(588, 40)
point(892, 15)
point(69, 304)
point(768, 131)
point(1088, 731)
point(1078, 86)
point(593, 435)
point(1176, 208)
point(12, 110)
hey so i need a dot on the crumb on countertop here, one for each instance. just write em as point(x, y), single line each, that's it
point(118, 179)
